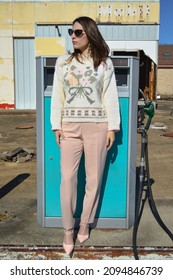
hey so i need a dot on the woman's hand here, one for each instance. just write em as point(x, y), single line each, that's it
point(59, 135)
point(110, 139)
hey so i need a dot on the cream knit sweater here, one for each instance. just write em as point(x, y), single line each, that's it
point(84, 94)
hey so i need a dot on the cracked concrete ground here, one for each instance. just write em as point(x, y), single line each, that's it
point(18, 191)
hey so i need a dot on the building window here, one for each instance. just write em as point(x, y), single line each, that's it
point(167, 54)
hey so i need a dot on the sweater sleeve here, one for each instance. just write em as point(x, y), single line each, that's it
point(57, 100)
point(110, 97)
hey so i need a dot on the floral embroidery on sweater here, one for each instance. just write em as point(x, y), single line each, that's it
point(78, 80)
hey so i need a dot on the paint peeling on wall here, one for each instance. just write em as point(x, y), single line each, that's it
point(6, 81)
point(24, 30)
point(5, 30)
point(6, 105)
point(49, 46)
point(2, 77)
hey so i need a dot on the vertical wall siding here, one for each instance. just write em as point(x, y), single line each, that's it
point(109, 32)
point(129, 32)
point(25, 84)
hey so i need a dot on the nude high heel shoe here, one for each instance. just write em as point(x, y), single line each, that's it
point(83, 234)
point(68, 241)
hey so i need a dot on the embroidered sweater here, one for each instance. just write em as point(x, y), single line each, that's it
point(84, 94)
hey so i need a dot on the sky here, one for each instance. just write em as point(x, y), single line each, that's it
point(166, 22)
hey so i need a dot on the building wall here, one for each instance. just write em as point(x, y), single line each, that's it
point(18, 19)
point(165, 82)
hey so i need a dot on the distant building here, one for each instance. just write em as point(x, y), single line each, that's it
point(165, 71)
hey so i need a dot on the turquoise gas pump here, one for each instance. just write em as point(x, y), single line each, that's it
point(117, 201)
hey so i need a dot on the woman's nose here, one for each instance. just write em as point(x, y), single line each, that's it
point(73, 35)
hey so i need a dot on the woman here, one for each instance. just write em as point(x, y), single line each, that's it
point(84, 117)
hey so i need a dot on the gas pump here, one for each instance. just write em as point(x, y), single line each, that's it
point(116, 207)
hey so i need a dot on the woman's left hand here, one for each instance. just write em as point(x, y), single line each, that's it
point(110, 139)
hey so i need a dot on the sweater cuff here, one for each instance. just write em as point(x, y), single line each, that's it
point(113, 127)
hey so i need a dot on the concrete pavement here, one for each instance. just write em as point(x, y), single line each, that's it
point(18, 211)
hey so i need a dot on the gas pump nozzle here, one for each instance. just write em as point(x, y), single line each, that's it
point(149, 110)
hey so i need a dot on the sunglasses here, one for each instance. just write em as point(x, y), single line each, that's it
point(77, 32)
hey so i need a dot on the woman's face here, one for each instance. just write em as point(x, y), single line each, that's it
point(81, 43)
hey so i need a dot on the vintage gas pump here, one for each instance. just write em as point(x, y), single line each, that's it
point(117, 201)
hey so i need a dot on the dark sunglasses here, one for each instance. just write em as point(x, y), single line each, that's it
point(77, 32)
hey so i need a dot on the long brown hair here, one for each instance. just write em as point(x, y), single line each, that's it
point(98, 47)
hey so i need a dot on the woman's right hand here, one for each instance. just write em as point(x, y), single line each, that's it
point(59, 135)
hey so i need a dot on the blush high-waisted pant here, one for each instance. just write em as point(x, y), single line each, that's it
point(89, 138)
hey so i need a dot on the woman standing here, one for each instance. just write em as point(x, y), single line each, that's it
point(85, 117)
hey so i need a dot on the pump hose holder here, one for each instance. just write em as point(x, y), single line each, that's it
point(144, 190)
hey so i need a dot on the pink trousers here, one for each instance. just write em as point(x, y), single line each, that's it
point(79, 137)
